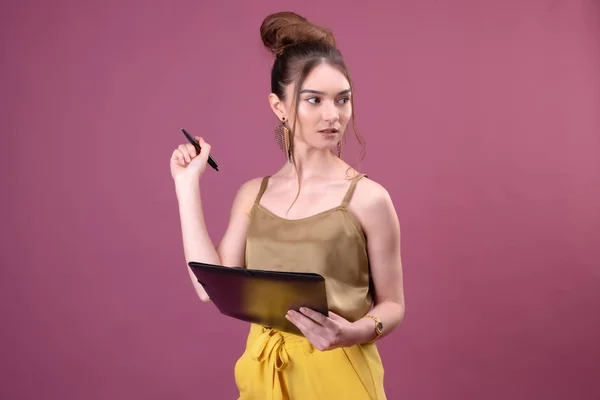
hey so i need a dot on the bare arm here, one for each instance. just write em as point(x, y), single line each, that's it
point(196, 240)
point(374, 209)
point(197, 244)
point(382, 228)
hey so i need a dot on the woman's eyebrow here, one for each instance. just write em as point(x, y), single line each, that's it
point(323, 93)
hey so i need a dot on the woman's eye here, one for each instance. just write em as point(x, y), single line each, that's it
point(344, 100)
point(314, 100)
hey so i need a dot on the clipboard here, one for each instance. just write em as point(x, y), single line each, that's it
point(260, 296)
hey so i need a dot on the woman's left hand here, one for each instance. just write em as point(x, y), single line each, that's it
point(325, 333)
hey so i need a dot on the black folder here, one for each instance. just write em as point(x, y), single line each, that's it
point(260, 296)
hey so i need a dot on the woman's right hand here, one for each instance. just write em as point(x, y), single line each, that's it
point(185, 163)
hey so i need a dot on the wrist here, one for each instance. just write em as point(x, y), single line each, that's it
point(186, 184)
point(378, 326)
point(186, 179)
point(364, 330)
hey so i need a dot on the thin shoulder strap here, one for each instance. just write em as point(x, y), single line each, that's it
point(263, 187)
point(351, 189)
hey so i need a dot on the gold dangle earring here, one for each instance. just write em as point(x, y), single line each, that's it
point(339, 149)
point(282, 136)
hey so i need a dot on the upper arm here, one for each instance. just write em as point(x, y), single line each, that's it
point(232, 248)
point(380, 223)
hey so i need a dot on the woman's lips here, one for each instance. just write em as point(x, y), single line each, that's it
point(328, 132)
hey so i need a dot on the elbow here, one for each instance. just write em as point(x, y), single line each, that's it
point(204, 297)
point(397, 308)
point(401, 308)
point(402, 312)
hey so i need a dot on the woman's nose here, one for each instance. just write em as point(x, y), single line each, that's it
point(330, 112)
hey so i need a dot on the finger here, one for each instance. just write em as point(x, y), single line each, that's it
point(186, 154)
point(297, 323)
point(178, 157)
point(306, 326)
point(301, 321)
point(328, 329)
point(191, 150)
point(315, 316)
point(204, 146)
point(309, 324)
point(336, 317)
point(313, 332)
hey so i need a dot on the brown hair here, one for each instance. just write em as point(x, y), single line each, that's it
point(299, 46)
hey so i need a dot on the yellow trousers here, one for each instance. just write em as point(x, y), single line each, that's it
point(278, 365)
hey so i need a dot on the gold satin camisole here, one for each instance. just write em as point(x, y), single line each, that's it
point(330, 243)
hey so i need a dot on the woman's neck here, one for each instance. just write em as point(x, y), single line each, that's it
point(314, 163)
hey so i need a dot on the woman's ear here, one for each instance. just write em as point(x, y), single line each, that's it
point(277, 106)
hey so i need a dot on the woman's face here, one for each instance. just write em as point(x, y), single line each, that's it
point(324, 108)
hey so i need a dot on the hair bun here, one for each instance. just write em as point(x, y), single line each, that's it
point(286, 28)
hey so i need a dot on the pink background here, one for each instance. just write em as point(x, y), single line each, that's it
point(482, 118)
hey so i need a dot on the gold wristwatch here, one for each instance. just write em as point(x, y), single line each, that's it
point(378, 326)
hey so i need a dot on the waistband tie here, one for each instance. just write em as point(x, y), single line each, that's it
point(269, 345)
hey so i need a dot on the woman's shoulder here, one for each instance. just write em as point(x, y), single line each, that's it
point(370, 194)
point(372, 205)
point(250, 188)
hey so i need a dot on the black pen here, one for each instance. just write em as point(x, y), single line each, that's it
point(211, 161)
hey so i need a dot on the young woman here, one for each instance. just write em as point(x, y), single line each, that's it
point(315, 214)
